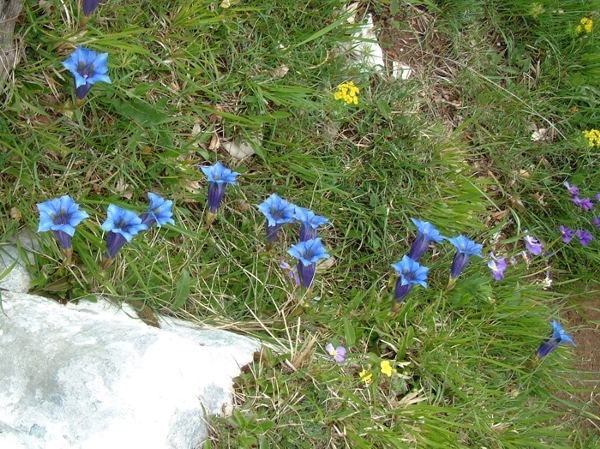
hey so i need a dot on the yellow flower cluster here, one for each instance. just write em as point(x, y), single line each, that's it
point(348, 92)
point(586, 25)
point(593, 136)
point(366, 376)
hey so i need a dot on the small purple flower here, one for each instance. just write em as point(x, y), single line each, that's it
point(61, 215)
point(277, 212)
point(426, 233)
point(339, 353)
point(573, 190)
point(465, 248)
point(159, 211)
point(308, 253)
point(550, 344)
point(597, 196)
point(584, 237)
point(89, 6)
point(576, 200)
point(88, 67)
point(567, 233)
point(121, 225)
point(218, 178)
point(533, 245)
point(309, 222)
point(586, 204)
point(292, 272)
point(498, 266)
point(410, 273)
point(596, 222)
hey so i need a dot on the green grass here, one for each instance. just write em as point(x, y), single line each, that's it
point(184, 70)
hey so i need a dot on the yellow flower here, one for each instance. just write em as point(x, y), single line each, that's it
point(366, 376)
point(386, 368)
point(593, 136)
point(585, 25)
point(348, 92)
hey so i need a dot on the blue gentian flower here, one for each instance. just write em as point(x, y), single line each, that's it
point(88, 67)
point(308, 253)
point(159, 211)
point(277, 211)
point(410, 274)
point(89, 6)
point(61, 215)
point(465, 248)
point(309, 222)
point(218, 178)
point(121, 226)
point(550, 344)
point(426, 233)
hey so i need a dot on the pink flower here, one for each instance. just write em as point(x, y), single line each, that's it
point(339, 353)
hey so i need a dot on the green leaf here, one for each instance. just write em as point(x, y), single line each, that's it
point(142, 112)
point(384, 108)
point(394, 7)
point(349, 332)
point(182, 290)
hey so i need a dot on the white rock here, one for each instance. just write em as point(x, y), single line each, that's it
point(17, 279)
point(90, 376)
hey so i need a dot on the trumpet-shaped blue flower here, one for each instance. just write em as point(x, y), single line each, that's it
point(309, 222)
point(159, 211)
point(277, 211)
point(426, 233)
point(308, 253)
point(89, 6)
point(550, 344)
point(465, 248)
point(88, 67)
point(218, 178)
point(410, 274)
point(121, 226)
point(61, 215)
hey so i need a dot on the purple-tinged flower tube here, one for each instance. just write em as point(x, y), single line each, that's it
point(218, 178)
point(339, 353)
point(89, 6)
point(498, 266)
point(533, 245)
point(465, 248)
point(88, 67)
point(567, 233)
point(596, 222)
point(309, 223)
point(159, 211)
point(61, 215)
point(410, 273)
point(573, 190)
point(550, 344)
point(277, 211)
point(121, 225)
point(308, 253)
point(426, 233)
point(584, 237)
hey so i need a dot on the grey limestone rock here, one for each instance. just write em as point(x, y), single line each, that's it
point(90, 376)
